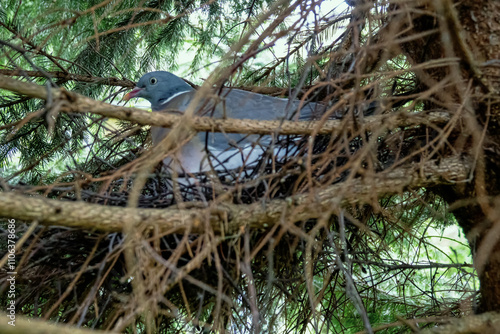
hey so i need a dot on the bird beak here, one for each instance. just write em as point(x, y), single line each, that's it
point(133, 93)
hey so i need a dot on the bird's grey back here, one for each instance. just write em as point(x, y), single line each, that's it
point(239, 104)
point(249, 105)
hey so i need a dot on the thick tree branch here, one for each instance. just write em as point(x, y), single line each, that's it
point(37, 326)
point(112, 81)
point(479, 323)
point(71, 77)
point(231, 218)
point(81, 104)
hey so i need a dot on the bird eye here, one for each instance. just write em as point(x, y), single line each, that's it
point(153, 81)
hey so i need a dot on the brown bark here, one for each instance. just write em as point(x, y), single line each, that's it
point(229, 218)
point(37, 326)
point(72, 102)
point(65, 76)
point(469, 30)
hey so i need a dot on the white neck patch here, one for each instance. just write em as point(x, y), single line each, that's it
point(171, 97)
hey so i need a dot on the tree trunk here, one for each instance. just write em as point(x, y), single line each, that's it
point(469, 30)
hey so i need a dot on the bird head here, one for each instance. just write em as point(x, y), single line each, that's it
point(158, 87)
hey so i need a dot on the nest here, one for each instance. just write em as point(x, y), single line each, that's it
point(82, 276)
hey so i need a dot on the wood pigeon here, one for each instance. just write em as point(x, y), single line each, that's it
point(165, 90)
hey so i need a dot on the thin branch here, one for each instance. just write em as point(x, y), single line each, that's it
point(429, 265)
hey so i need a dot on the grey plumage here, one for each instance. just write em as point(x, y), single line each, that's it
point(165, 91)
